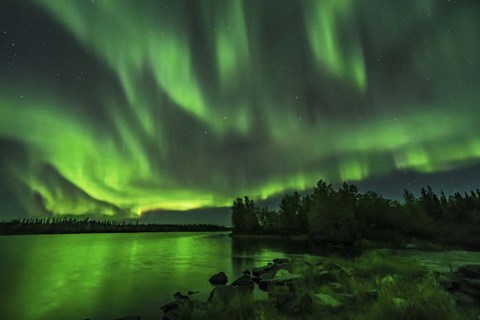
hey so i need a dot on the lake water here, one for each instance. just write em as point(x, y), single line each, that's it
point(103, 276)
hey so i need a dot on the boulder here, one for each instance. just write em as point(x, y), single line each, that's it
point(281, 277)
point(180, 297)
point(244, 283)
point(257, 272)
point(328, 300)
point(219, 279)
point(266, 276)
point(286, 266)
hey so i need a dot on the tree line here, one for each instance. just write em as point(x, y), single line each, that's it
point(345, 215)
point(87, 225)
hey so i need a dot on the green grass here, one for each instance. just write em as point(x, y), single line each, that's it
point(421, 299)
point(380, 286)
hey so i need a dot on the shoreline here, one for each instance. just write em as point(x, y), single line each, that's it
point(119, 232)
point(375, 285)
point(299, 237)
point(67, 225)
point(412, 243)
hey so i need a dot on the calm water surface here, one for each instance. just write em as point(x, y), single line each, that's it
point(103, 276)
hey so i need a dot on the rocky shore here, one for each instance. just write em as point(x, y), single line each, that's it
point(373, 286)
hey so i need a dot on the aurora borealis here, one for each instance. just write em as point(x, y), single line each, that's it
point(124, 107)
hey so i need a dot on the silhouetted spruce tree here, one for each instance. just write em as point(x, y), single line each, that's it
point(262, 216)
point(302, 217)
point(238, 213)
point(251, 220)
point(321, 202)
point(289, 209)
point(244, 215)
point(273, 219)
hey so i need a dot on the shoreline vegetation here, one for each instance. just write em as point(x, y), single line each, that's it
point(375, 285)
point(345, 217)
point(28, 226)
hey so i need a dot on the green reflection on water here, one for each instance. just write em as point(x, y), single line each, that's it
point(104, 276)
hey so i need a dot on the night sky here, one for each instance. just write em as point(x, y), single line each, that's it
point(120, 108)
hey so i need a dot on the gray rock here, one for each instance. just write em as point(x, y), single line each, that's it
point(180, 297)
point(244, 283)
point(285, 266)
point(257, 272)
point(281, 277)
point(266, 276)
point(219, 279)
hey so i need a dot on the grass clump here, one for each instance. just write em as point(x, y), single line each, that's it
point(378, 263)
point(421, 300)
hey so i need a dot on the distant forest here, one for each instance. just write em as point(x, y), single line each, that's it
point(349, 217)
point(87, 225)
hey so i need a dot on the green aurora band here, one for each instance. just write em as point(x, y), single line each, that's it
point(203, 101)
